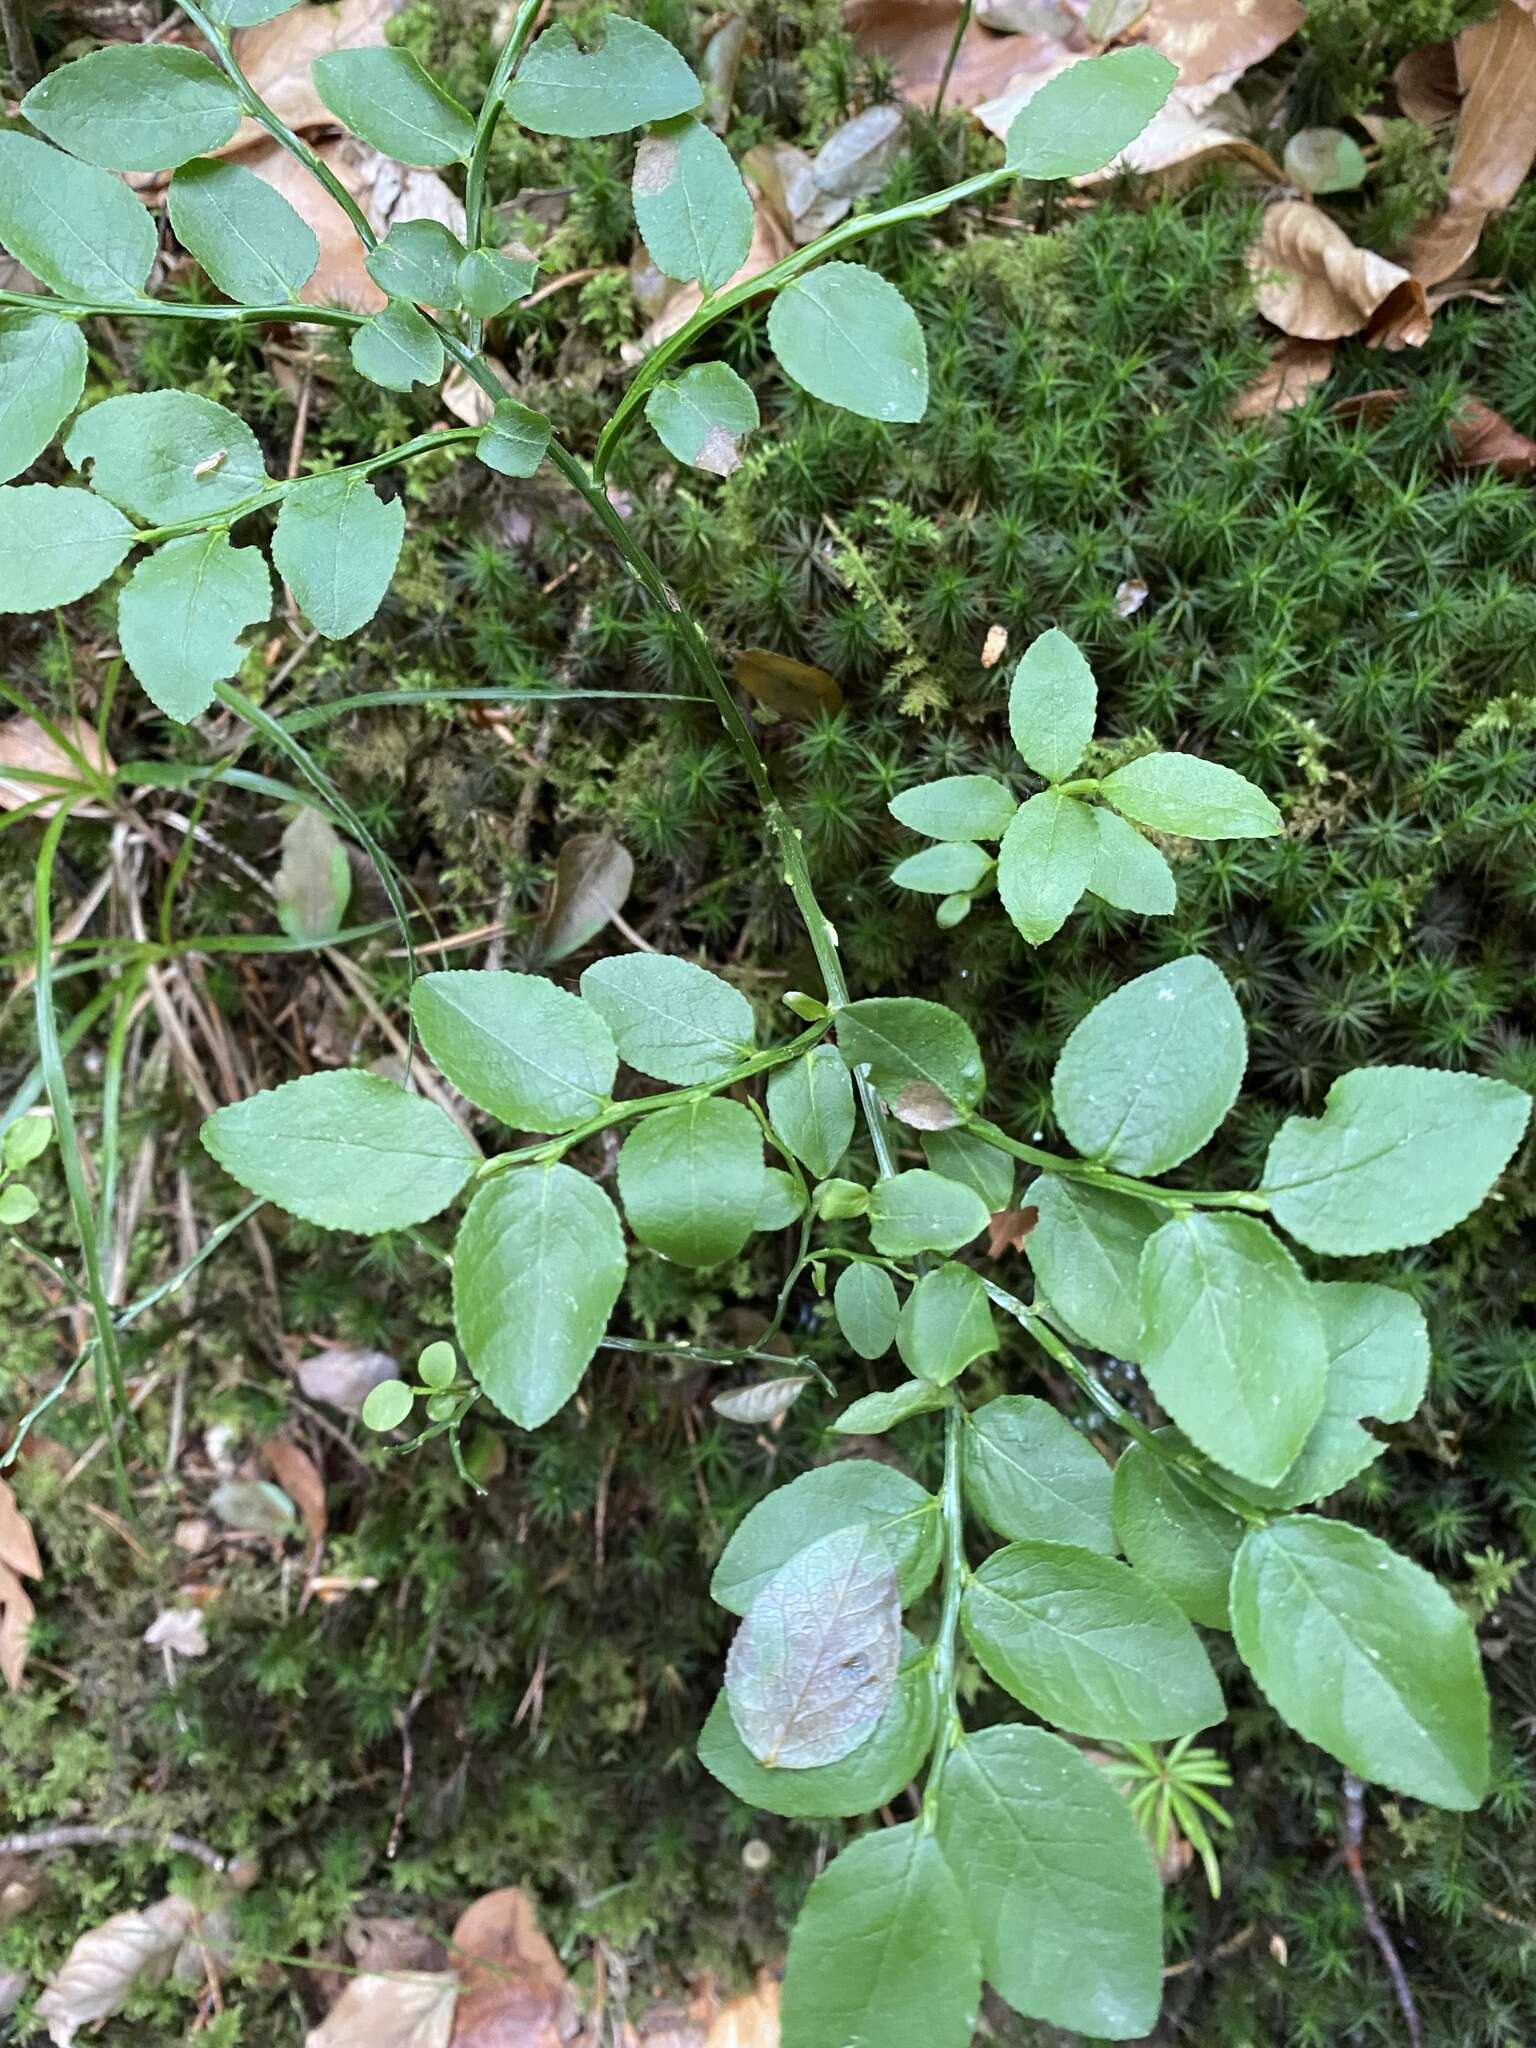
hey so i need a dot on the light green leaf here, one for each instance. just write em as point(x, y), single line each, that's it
point(704, 416)
point(516, 439)
point(1059, 1882)
point(76, 227)
point(166, 456)
point(254, 246)
point(692, 1180)
point(810, 1106)
point(245, 13)
point(418, 259)
point(1150, 1072)
point(876, 1413)
point(387, 1405)
point(384, 96)
point(336, 546)
point(922, 1057)
point(691, 207)
point(1052, 705)
point(397, 348)
point(537, 1268)
point(489, 282)
point(18, 1205)
point(1232, 1343)
point(973, 1162)
point(135, 106)
point(1319, 160)
point(852, 1491)
point(1029, 1474)
point(55, 545)
point(634, 77)
point(883, 1950)
point(1082, 119)
point(1085, 1251)
point(951, 867)
point(1195, 798)
point(1398, 1155)
point(783, 1201)
point(1365, 1655)
point(26, 1140)
point(180, 614)
point(845, 335)
point(956, 807)
point(1087, 1645)
point(919, 1211)
point(838, 1200)
point(1047, 855)
point(813, 1666)
point(864, 1301)
point(1175, 1535)
point(42, 374)
point(670, 1019)
point(314, 878)
point(1128, 871)
point(883, 1765)
point(517, 1045)
point(346, 1150)
point(946, 1324)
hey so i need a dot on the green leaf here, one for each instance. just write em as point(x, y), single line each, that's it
point(1365, 1655)
point(384, 96)
point(1150, 1072)
point(77, 228)
point(346, 1150)
point(634, 77)
point(397, 348)
point(946, 1324)
point(1195, 798)
point(956, 807)
point(245, 13)
point(810, 1106)
point(883, 1765)
point(670, 1019)
point(876, 1413)
point(336, 546)
point(783, 1201)
point(919, 1211)
point(314, 879)
point(515, 441)
point(1319, 160)
point(438, 1365)
point(55, 545)
point(488, 282)
point(517, 1045)
point(180, 614)
point(1029, 1474)
point(1085, 1252)
point(1398, 1155)
point(847, 336)
point(813, 1666)
point(864, 1301)
point(42, 374)
point(254, 246)
point(973, 1162)
point(1059, 1882)
point(1232, 1343)
point(166, 456)
point(691, 207)
point(1084, 1643)
point(26, 1139)
point(1085, 116)
point(703, 416)
point(854, 1491)
point(136, 106)
point(1128, 871)
point(922, 1057)
point(1043, 867)
point(17, 1205)
point(1175, 1535)
point(537, 1268)
point(1052, 705)
point(838, 1200)
point(952, 867)
point(692, 1180)
point(883, 1950)
point(387, 1405)
point(418, 259)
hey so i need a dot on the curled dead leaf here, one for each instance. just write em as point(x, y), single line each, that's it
point(1294, 370)
point(914, 37)
point(390, 2012)
point(1313, 282)
point(32, 762)
point(1429, 84)
point(110, 1961)
point(1007, 1230)
point(765, 1401)
point(795, 689)
point(1495, 139)
point(18, 1546)
point(515, 1993)
point(593, 877)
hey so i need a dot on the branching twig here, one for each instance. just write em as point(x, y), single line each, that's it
point(1354, 1862)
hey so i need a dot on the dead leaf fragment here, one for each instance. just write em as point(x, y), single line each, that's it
point(795, 689)
point(301, 1480)
point(1429, 84)
point(1313, 282)
point(1007, 1230)
point(18, 1560)
point(515, 1992)
point(749, 2022)
point(765, 1401)
point(18, 1546)
point(1130, 596)
point(994, 647)
point(390, 2012)
point(314, 877)
point(1495, 140)
point(180, 1630)
point(277, 57)
point(856, 159)
point(593, 877)
point(344, 1378)
point(1295, 368)
point(31, 763)
point(1480, 437)
point(109, 1961)
point(914, 37)
point(1214, 46)
point(253, 1508)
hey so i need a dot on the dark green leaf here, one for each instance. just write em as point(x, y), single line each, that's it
point(845, 335)
point(867, 1310)
point(534, 1055)
point(1175, 1535)
point(1030, 1475)
point(384, 96)
point(166, 456)
point(692, 1180)
point(1128, 871)
point(703, 416)
point(180, 615)
point(923, 1058)
point(634, 77)
point(876, 1413)
point(1195, 798)
point(488, 281)
point(397, 348)
point(691, 207)
point(1085, 116)
point(956, 807)
point(783, 1201)
point(136, 106)
point(946, 1324)
point(1085, 1251)
point(418, 259)
point(42, 374)
point(852, 1491)
point(1043, 866)
point(919, 1211)
point(336, 546)
point(973, 1162)
point(56, 545)
point(77, 228)
point(251, 242)
point(952, 867)
point(1052, 705)
point(516, 439)
point(810, 1106)
point(670, 1019)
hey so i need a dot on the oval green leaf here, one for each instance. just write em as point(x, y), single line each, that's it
point(1082, 119)
point(531, 1053)
point(704, 416)
point(1085, 1252)
point(1031, 1476)
point(837, 1496)
point(1053, 702)
point(180, 615)
point(1175, 1535)
point(42, 374)
point(691, 207)
point(956, 807)
point(254, 246)
point(166, 456)
point(810, 1106)
point(1197, 799)
point(76, 227)
point(1128, 871)
point(670, 1019)
point(919, 1211)
point(692, 1180)
point(55, 545)
point(1044, 863)
point(635, 76)
point(336, 546)
point(847, 336)
point(384, 96)
point(864, 1301)
point(136, 106)
point(397, 348)
point(945, 1324)
point(922, 1057)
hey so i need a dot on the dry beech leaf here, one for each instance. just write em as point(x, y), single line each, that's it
point(1214, 46)
point(765, 1401)
point(1313, 282)
point(1495, 139)
point(593, 878)
point(16, 1615)
point(390, 2012)
point(785, 178)
point(18, 1546)
point(301, 1479)
point(276, 57)
point(1429, 84)
point(515, 1993)
point(179, 1629)
point(856, 158)
point(26, 752)
point(795, 689)
point(1293, 372)
point(1007, 1230)
point(109, 1961)
point(1480, 437)
point(750, 2022)
point(344, 1378)
point(914, 37)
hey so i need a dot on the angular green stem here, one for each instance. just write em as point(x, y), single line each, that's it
point(160, 309)
point(1118, 1183)
point(956, 1573)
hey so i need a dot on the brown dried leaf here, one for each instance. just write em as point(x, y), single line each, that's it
point(795, 689)
point(344, 1378)
point(1480, 437)
point(18, 1546)
point(856, 159)
point(1495, 141)
point(1429, 84)
point(750, 2022)
point(1214, 46)
point(914, 37)
point(515, 1991)
point(1312, 280)
point(16, 1614)
point(27, 752)
point(1007, 1230)
point(718, 68)
point(301, 1479)
point(107, 1962)
point(785, 178)
point(593, 877)
point(1293, 371)
point(390, 2012)
point(383, 1943)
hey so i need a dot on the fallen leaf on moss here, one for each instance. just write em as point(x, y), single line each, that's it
point(1314, 283)
point(343, 1377)
point(1130, 596)
point(1429, 84)
point(109, 1962)
point(1324, 160)
point(27, 753)
point(300, 1478)
point(795, 689)
point(593, 878)
point(1480, 437)
point(785, 178)
point(1495, 139)
point(766, 1401)
point(1214, 46)
point(515, 1993)
point(1294, 370)
point(314, 879)
point(749, 2022)
point(914, 37)
point(18, 1560)
point(390, 2012)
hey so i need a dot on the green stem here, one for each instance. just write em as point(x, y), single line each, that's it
point(956, 1572)
point(159, 309)
point(695, 1356)
point(1118, 1183)
point(961, 25)
point(512, 49)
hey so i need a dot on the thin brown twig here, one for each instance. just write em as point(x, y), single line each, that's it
point(48, 1841)
point(403, 1722)
point(1354, 1862)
